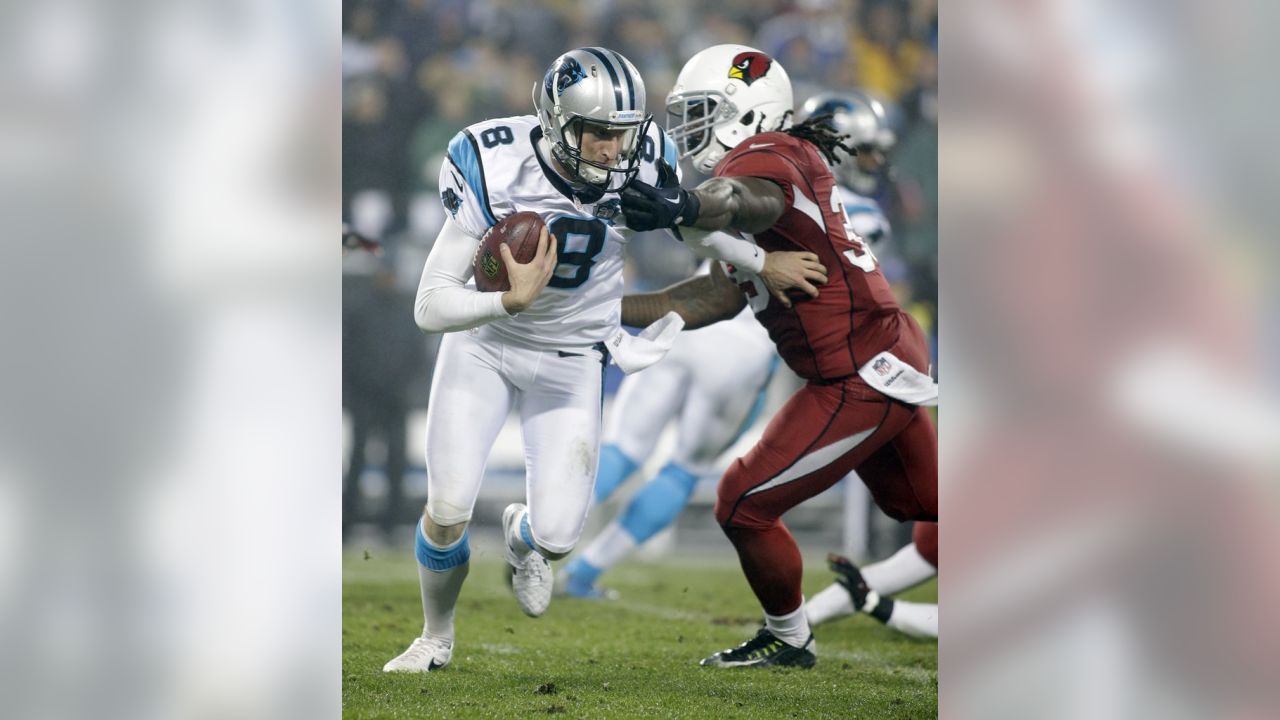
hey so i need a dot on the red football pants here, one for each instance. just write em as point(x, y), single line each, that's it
point(820, 435)
point(925, 537)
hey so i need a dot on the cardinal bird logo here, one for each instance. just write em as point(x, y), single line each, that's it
point(750, 66)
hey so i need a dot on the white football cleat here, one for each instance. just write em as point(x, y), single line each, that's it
point(426, 654)
point(531, 578)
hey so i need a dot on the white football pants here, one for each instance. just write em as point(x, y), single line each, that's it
point(478, 380)
point(712, 378)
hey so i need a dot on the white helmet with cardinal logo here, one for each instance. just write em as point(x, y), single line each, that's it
point(724, 95)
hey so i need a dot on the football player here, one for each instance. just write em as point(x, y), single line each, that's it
point(865, 360)
point(541, 346)
point(865, 122)
point(713, 384)
point(707, 378)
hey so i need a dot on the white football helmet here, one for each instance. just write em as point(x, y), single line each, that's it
point(866, 121)
point(596, 88)
point(724, 95)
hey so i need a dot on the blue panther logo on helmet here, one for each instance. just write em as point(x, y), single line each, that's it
point(563, 75)
point(831, 107)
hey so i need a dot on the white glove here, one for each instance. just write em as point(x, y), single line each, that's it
point(637, 352)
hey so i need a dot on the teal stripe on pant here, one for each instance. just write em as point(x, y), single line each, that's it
point(659, 502)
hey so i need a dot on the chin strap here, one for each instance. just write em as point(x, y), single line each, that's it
point(724, 150)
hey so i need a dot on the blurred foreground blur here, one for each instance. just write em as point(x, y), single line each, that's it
point(169, 384)
point(1113, 433)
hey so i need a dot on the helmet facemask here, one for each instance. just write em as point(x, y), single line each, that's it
point(691, 121)
point(596, 175)
point(863, 123)
point(851, 173)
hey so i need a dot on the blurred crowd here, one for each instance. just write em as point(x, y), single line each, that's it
point(415, 72)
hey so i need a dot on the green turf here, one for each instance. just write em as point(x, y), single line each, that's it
point(634, 658)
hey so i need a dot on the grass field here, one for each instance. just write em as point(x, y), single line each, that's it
point(633, 658)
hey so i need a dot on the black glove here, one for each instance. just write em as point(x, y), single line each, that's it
point(665, 206)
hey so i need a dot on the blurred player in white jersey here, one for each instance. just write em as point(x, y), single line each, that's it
point(540, 347)
point(713, 384)
point(861, 176)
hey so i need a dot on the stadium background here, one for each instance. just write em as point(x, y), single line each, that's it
point(416, 71)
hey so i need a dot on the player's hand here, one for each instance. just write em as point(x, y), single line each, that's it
point(785, 271)
point(528, 279)
point(647, 207)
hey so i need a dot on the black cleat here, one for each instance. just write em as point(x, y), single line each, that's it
point(848, 575)
point(765, 650)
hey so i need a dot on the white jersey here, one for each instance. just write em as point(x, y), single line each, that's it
point(865, 216)
point(498, 167)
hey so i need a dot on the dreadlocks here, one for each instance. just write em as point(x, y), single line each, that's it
point(819, 131)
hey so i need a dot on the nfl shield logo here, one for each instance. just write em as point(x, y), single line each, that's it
point(490, 265)
point(882, 367)
point(608, 210)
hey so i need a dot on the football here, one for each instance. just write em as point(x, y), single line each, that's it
point(520, 231)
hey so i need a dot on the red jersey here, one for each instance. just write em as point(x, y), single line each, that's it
point(855, 315)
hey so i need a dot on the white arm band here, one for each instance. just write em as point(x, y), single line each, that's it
point(443, 304)
point(720, 245)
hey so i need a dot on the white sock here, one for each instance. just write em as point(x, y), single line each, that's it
point(439, 596)
point(900, 571)
point(792, 628)
point(830, 603)
point(440, 587)
point(517, 548)
point(914, 619)
point(609, 547)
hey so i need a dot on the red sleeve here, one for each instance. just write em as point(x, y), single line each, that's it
point(769, 161)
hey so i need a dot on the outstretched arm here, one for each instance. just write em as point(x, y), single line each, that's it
point(700, 301)
point(742, 203)
point(745, 204)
